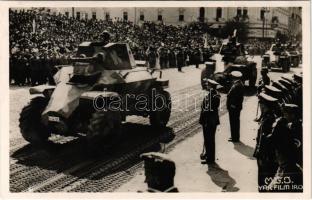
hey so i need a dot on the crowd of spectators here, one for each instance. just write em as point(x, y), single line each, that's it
point(40, 40)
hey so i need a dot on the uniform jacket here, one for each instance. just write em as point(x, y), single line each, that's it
point(264, 147)
point(209, 111)
point(235, 96)
point(283, 142)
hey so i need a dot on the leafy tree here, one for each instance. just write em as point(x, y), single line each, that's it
point(238, 23)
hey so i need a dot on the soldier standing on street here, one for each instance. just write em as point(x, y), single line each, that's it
point(209, 119)
point(264, 150)
point(234, 103)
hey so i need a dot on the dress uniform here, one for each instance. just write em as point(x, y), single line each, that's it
point(209, 119)
point(234, 103)
point(288, 177)
point(264, 151)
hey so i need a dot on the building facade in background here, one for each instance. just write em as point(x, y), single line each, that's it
point(264, 22)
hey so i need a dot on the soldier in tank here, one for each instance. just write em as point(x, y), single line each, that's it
point(104, 38)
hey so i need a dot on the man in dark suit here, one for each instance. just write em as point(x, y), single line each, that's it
point(234, 104)
point(209, 119)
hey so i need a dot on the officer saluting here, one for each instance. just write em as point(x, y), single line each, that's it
point(209, 119)
point(234, 105)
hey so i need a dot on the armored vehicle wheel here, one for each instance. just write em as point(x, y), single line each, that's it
point(160, 117)
point(104, 130)
point(32, 129)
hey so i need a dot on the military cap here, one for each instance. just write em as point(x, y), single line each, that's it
point(285, 83)
point(212, 82)
point(288, 78)
point(279, 86)
point(236, 74)
point(273, 91)
point(267, 99)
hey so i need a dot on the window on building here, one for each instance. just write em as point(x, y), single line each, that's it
point(245, 12)
point(219, 13)
point(239, 12)
point(67, 14)
point(107, 16)
point(141, 16)
point(262, 14)
point(181, 17)
point(94, 15)
point(159, 17)
point(201, 14)
point(125, 16)
point(77, 15)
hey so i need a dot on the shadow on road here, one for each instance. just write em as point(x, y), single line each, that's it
point(222, 178)
point(244, 149)
point(60, 157)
